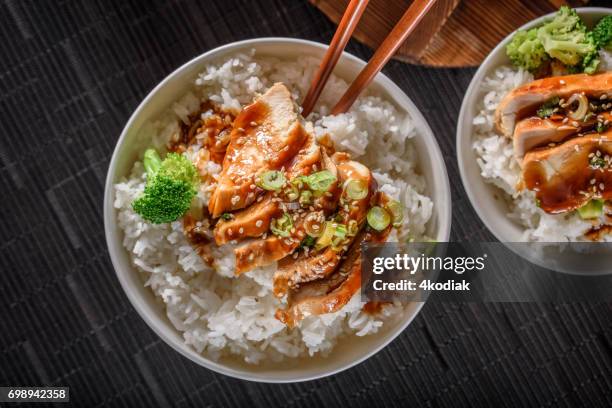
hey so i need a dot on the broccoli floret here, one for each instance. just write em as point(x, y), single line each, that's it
point(171, 185)
point(526, 50)
point(602, 33)
point(565, 38)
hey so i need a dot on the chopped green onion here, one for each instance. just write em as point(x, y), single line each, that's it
point(271, 180)
point(326, 237)
point(308, 241)
point(592, 209)
point(320, 181)
point(378, 218)
point(340, 231)
point(282, 226)
point(356, 189)
point(338, 243)
point(397, 212)
point(226, 216)
point(352, 228)
point(292, 193)
point(299, 182)
point(306, 197)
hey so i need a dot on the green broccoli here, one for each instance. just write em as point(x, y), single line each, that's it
point(171, 185)
point(526, 51)
point(566, 39)
point(602, 33)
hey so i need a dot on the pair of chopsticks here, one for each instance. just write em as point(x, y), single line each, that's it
point(409, 21)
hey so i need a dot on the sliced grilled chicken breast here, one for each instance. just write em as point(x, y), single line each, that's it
point(253, 253)
point(534, 132)
point(266, 134)
point(326, 295)
point(254, 220)
point(524, 100)
point(329, 294)
point(308, 267)
point(567, 176)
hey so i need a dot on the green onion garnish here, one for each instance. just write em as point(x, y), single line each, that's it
point(397, 212)
point(306, 197)
point(320, 181)
point(378, 218)
point(292, 193)
point(352, 228)
point(308, 241)
point(271, 180)
point(226, 216)
point(356, 189)
point(326, 237)
point(282, 226)
point(340, 231)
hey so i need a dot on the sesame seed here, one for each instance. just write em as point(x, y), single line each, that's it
point(592, 181)
point(576, 148)
point(251, 256)
point(603, 97)
point(574, 123)
point(562, 82)
point(241, 230)
point(235, 199)
point(258, 223)
point(565, 120)
point(601, 186)
point(230, 232)
point(252, 186)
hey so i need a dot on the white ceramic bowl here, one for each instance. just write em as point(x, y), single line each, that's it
point(134, 139)
point(485, 198)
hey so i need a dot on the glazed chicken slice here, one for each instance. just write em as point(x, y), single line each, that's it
point(265, 135)
point(308, 267)
point(524, 100)
point(265, 251)
point(567, 176)
point(254, 220)
point(329, 294)
point(535, 132)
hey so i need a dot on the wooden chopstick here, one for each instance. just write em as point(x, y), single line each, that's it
point(411, 18)
point(343, 33)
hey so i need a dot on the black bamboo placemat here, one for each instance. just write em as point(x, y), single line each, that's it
point(71, 73)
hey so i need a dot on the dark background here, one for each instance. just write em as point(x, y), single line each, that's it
point(71, 73)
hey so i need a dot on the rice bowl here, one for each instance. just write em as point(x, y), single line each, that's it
point(229, 338)
point(487, 162)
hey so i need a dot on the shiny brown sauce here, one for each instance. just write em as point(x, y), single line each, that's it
point(576, 182)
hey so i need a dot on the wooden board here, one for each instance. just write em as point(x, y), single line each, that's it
point(455, 33)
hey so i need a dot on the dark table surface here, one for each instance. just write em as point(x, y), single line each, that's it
point(71, 73)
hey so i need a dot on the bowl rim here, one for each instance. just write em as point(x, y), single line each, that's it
point(155, 323)
point(466, 137)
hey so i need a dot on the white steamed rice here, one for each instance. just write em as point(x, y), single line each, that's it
point(219, 314)
point(499, 167)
